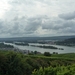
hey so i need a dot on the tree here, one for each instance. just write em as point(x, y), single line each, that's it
point(47, 54)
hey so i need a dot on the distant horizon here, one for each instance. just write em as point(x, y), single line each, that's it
point(38, 36)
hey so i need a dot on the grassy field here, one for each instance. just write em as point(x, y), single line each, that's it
point(67, 56)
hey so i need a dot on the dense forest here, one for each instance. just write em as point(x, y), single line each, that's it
point(2, 45)
point(67, 42)
point(13, 63)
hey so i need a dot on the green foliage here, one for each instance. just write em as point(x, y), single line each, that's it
point(2, 45)
point(12, 63)
point(45, 71)
point(35, 52)
point(59, 70)
point(3, 64)
point(66, 55)
point(47, 54)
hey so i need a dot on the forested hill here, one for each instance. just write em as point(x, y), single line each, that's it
point(34, 39)
point(13, 63)
point(71, 40)
point(67, 42)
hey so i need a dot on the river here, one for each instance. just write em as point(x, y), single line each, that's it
point(42, 50)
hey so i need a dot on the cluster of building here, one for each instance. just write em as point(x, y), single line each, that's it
point(52, 42)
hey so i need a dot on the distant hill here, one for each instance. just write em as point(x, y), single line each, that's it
point(67, 42)
point(34, 39)
point(71, 40)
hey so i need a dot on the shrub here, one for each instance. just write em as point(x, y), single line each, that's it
point(47, 54)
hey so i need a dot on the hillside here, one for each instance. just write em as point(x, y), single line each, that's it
point(67, 42)
point(12, 63)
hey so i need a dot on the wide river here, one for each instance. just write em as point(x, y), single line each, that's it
point(42, 50)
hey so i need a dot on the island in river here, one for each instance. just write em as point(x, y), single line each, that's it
point(40, 46)
point(47, 47)
point(23, 44)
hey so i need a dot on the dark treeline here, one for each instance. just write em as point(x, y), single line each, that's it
point(2, 45)
point(67, 42)
point(23, 44)
point(47, 47)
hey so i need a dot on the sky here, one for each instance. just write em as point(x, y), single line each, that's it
point(37, 18)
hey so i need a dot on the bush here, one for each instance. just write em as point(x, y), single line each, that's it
point(47, 54)
point(59, 70)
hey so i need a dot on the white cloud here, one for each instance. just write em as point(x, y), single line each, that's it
point(67, 16)
point(4, 7)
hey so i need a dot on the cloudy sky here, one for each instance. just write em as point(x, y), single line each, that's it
point(30, 18)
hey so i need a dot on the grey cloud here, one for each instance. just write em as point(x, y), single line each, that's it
point(22, 25)
point(53, 24)
point(68, 27)
point(67, 16)
point(69, 24)
point(3, 27)
point(33, 24)
point(15, 18)
point(39, 18)
point(67, 31)
point(1, 24)
point(59, 26)
point(28, 26)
